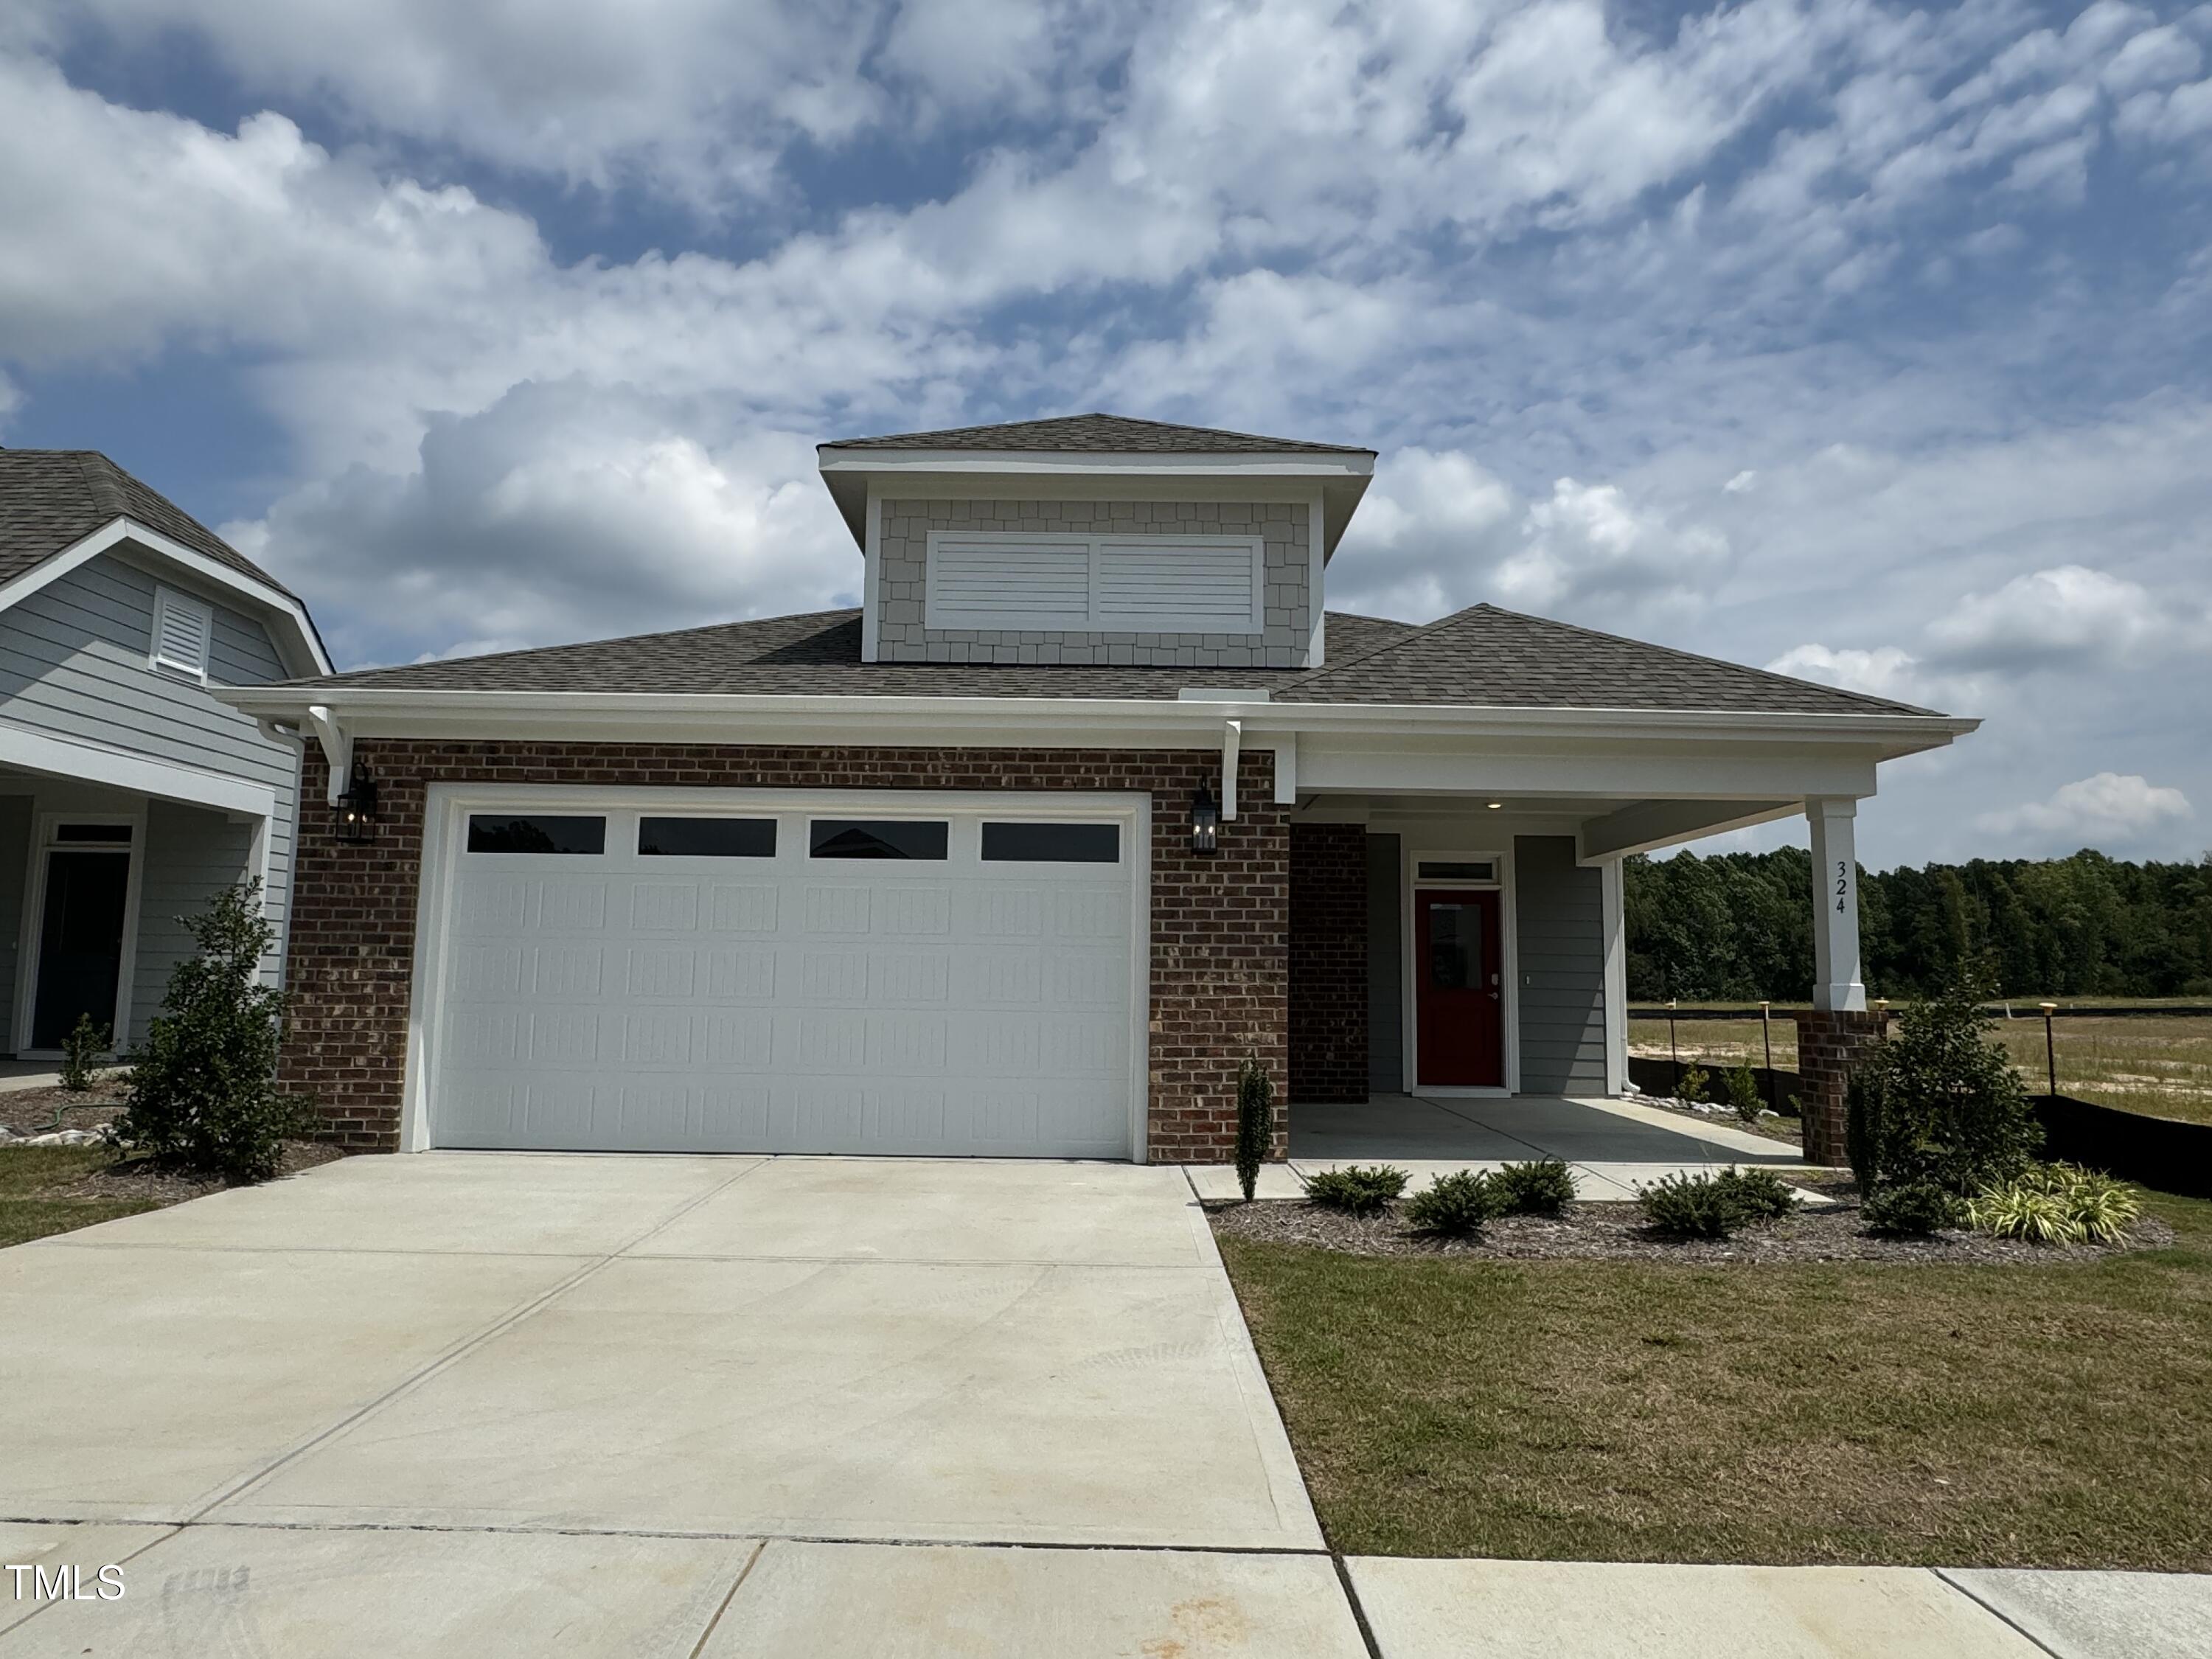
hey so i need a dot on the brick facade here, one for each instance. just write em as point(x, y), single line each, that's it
point(1829, 1044)
point(1219, 925)
point(1328, 962)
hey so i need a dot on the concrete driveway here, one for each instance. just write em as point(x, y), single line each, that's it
point(490, 1402)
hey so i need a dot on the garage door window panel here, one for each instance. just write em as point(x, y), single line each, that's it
point(536, 833)
point(706, 838)
point(918, 839)
point(1051, 843)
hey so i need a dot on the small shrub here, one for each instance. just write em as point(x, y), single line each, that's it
point(1544, 1187)
point(2057, 1204)
point(1455, 1204)
point(81, 1048)
point(1917, 1210)
point(1761, 1194)
point(1356, 1189)
point(1743, 1092)
point(201, 1094)
point(1692, 1207)
point(1692, 1085)
point(1940, 1101)
point(1255, 1122)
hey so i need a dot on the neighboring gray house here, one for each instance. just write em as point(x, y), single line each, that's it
point(128, 795)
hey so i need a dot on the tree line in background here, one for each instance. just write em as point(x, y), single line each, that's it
point(1739, 926)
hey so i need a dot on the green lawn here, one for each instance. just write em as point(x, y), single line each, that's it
point(30, 1206)
point(2037, 1416)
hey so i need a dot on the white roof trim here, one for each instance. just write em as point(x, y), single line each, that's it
point(93, 762)
point(1263, 464)
point(690, 710)
point(306, 654)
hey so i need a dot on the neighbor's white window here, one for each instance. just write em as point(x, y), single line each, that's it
point(1100, 584)
point(183, 627)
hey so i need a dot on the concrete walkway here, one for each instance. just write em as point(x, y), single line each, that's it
point(481, 1404)
point(1611, 1147)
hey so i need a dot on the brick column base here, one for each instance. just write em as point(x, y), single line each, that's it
point(1829, 1044)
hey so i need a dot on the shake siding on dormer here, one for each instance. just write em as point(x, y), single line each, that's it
point(1047, 581)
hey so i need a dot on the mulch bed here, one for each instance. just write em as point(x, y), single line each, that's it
point(1616, 1232)
point(31, 1111)
point(137, 1177)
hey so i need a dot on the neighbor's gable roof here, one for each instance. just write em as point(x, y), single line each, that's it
point(1481, 657)
point(1094, 434)
point(51, 499)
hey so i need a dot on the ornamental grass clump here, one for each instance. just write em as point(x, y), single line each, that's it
point(201, 1093)
point(1455, 1205)
point(1356, 1189)
point(2057, 1204)
point(1542, 1188)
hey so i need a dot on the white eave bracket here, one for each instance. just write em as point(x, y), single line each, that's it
point(337, 748)
point(1232, 740)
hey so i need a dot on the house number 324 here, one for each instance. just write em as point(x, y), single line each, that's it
point(1843, 883)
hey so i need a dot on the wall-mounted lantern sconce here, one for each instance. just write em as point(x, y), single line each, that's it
point(1205, 822)
point(355, 809)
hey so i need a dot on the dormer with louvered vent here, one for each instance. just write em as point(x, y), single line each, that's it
point(1095, 539)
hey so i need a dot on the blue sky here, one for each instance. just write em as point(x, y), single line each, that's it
point(1870, 343)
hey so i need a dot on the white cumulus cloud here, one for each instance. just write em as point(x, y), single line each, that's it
point(2109, 808)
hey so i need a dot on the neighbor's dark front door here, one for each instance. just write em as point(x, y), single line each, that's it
point(1461, 1011)
point(80, 942)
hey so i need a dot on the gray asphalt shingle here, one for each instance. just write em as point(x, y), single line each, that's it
point(1097, 434)
point(1482, 657)
point(50, 498)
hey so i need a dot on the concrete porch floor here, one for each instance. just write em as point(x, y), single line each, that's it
point(1611, 1146)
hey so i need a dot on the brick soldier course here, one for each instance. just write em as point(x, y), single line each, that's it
point(1220, 972)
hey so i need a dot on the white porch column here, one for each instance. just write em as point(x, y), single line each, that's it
point(1616, 977)
point(1837, 983)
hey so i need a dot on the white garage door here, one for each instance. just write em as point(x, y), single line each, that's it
point(916, 975)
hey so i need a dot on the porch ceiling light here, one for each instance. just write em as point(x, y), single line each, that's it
point(1495, 805)
point(355, 809)
point(1205, 822)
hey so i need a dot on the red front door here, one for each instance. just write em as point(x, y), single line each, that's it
point(1460, 1010)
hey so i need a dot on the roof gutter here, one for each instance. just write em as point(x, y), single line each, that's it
point(395, 711)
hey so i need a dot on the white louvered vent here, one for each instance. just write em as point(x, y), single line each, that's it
point(1125, 584)
point(182, 629)
point(994, 581)
point(1161, 586)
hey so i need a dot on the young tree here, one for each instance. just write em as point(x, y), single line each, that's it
point(1939, 1102)
point(202, 1092)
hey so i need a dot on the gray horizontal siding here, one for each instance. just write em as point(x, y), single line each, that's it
point(74, 662)
point(191, 855)
point(1559, 935)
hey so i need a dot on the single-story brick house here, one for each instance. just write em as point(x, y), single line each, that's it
point(1090, 798)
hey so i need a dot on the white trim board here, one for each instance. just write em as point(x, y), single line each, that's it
point(297, 640)
point(87, 762)
point(446, 806)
